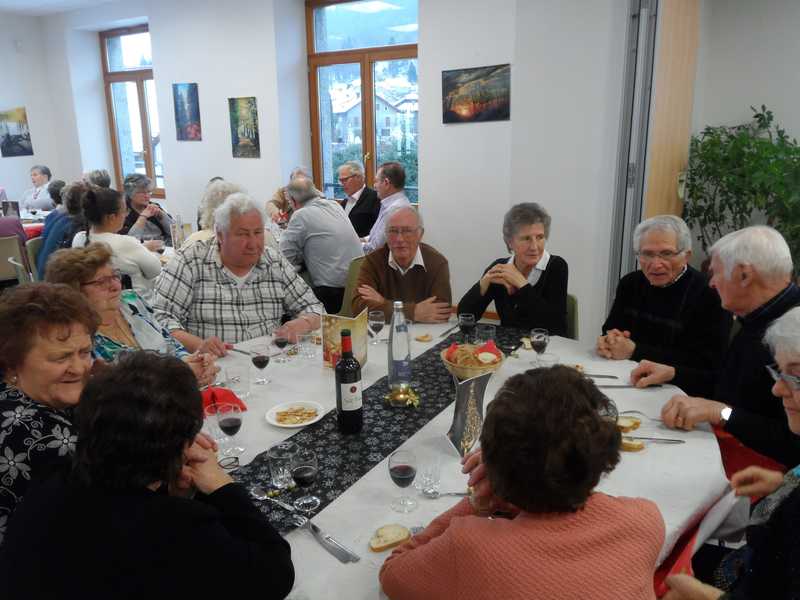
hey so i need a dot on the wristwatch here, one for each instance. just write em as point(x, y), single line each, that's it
point(725, 415)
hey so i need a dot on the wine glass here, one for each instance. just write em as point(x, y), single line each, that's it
point(229, 420)
point(539, 340)
point(376, 320)
point(260, 359)
point(281, 341)
point(304, 472)
point(466, 322)
point(402, 470)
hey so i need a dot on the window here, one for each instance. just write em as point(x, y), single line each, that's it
point(132, 108)
point(362, 58)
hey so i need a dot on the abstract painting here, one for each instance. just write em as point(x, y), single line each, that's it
point(244, 127)
point(15, 138)
point(478, 94)
point(187, 112)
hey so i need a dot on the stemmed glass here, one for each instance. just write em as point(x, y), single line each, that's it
point(539, 340)
point(281, 341)
point(376, 320)
point(466, 322)
point(402, 470)
point(229, 420)
point(304, 472)
point(260, 360)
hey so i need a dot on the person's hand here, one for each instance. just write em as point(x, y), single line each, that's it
point(481, 488)
point(215, 346)
point(200, 451)
point(151, 210)
point(291, 330)
point(153, 245)
point(371, 295)
point(684, 412)
point(620, 345)
point(205, 441)
point(756, 481)
point(203, 366)
point(685, 587)
point(206, 475)
point(431, 311)
point(506, 275)
point(648, 372)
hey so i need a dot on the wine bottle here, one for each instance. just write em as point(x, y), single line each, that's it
point(349, 400)
point(399, 350)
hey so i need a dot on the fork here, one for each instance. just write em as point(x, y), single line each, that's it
point(638, 412)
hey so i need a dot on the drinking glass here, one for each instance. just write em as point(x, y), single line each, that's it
point(376, 320)
point(539, 340)
point(260, 361)
point(210, 425)
point(304, 472)
point(237, 380)
point(280, 464)
point(484, 332)
point(402, 470)
point(229, 420)
point(466, 322)
point(281, 341)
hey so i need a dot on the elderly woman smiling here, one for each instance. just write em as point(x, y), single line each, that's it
point(127, 322)
point(529, 289)
point(45, 358)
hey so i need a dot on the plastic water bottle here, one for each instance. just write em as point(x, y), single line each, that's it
point(399, 350)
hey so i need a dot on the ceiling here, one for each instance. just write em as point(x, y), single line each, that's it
point(35, 8)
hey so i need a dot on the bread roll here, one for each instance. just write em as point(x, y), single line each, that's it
point(388, 537)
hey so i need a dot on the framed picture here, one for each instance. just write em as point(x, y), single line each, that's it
point(15, 138)
point(244, 127)
point(187, 112)
point(477, 94)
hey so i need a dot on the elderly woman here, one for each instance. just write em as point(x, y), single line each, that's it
point(529, 289)
point(112, 528)
point(45, 357)
point(279, 207)
point(126, 321)
point(37, 197)
point(665, 312)
point(214, 195)
point(98, 177)
point(767, 568)
point(104, 211)
point(546, 442)
point(145, 220)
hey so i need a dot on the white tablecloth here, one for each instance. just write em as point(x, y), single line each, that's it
point(684, 480)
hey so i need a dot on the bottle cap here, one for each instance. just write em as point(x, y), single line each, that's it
point(398, 304)
point(345, 332)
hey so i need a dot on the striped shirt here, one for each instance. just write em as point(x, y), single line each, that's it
point(196, 294)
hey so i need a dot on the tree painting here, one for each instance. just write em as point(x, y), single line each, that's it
point(244, 127)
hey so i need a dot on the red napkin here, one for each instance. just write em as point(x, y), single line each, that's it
point(216, 395)
point(736, 456)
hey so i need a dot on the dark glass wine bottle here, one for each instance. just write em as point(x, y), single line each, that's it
point(349, 402)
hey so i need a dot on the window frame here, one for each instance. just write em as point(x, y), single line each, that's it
point(139, 77)
point(365, 57)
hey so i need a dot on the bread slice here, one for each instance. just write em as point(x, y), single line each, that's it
point(388, 536)
point(631, 445)
point(628, 424)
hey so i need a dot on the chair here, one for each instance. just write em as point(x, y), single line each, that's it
point(32, 248)
point(572, 317)
point(9, 248)
point(22, 273)
point(350, 287)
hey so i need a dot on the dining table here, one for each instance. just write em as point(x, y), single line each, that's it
point(685, 480)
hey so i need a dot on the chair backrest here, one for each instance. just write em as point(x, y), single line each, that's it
point(32, 247)
point(23, 275)
point(572, 317)
point(9, 248)
point(350, 287)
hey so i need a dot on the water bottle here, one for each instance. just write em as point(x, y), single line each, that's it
point(399, 350)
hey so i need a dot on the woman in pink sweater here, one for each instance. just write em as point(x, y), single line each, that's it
point(546, 442)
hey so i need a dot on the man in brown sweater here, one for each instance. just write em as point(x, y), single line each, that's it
point(405, 269)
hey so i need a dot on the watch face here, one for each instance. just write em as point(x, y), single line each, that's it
point(726, 413)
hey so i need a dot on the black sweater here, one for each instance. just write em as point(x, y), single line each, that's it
point(758, 419)
point(681, 324)
point(70, 541)
point(540, 305)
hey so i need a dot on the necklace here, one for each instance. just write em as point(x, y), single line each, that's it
point(119, 331)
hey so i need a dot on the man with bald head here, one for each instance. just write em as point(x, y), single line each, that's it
point(405, 269)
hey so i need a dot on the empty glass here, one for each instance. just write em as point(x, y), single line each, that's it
point(237, 380)
point(306, 345)
point(466, 322)
point(484, 332)
point(280, 464)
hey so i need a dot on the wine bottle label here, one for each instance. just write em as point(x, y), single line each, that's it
point(351, 396)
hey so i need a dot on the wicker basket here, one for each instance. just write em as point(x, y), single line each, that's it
point(466, 372)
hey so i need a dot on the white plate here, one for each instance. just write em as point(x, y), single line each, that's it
point(271, 413)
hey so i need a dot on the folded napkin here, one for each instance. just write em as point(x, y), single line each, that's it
point(217, 395)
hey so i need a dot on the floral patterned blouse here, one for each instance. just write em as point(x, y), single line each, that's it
point(35, 440)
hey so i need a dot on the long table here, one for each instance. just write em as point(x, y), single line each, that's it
point(684, 480)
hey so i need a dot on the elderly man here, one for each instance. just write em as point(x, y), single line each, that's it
point(320, 235)
point(362, 204)
point(665, 312)
point(752, 271)
point(215, 293)
point(405, 269)
point(389, 183)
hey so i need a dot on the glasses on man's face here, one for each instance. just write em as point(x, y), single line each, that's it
point(401, 231)
point(344, 180)
point(107, 281)
point(648, 256)
point(790, 380)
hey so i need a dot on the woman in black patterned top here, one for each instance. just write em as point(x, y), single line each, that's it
point(45, 357)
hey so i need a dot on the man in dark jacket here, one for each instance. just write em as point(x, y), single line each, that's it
point(362, 204)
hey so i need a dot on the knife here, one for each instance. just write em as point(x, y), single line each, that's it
point(627, 387)
point(340, 551)
point(449, 331)
point(240, 351)
point(656, 440)
point(600, 376)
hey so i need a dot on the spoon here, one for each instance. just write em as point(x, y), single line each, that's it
point(434, 494)
point(260, 493)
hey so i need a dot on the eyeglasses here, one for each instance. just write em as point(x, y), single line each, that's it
point(791, 380)
point(647, 256)
point(106, 281)
point(402, 231)
point(344, 180)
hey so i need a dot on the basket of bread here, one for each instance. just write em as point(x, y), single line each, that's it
point(466, 361)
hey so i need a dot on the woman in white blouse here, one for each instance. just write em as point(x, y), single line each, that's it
point(38, 198)
point(105, 212)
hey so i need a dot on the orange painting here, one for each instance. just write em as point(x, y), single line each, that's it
point(474, 95)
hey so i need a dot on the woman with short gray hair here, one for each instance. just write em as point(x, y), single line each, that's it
point(665, 311)
point(145, 220)
point(529, 288)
